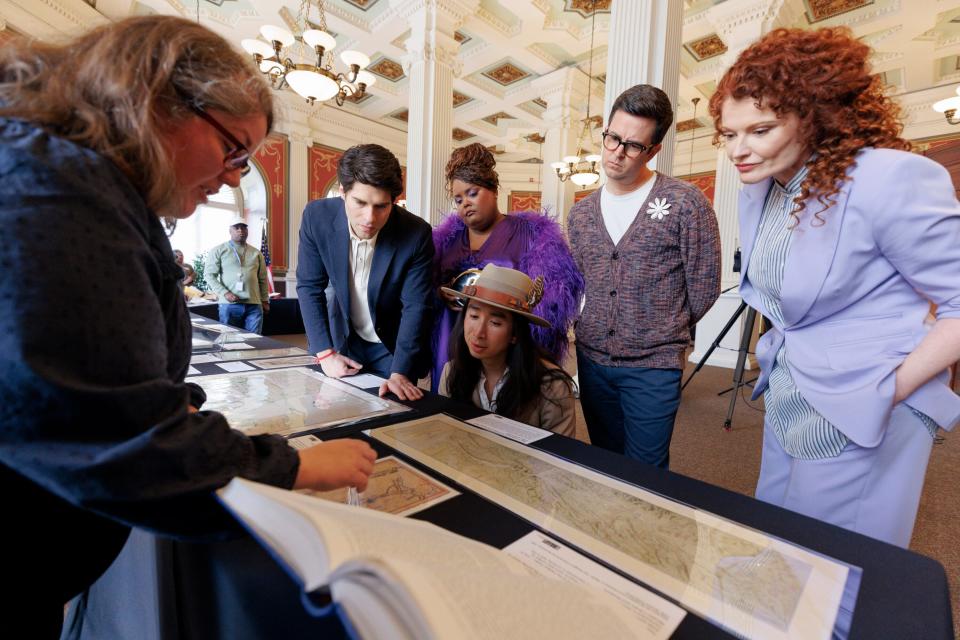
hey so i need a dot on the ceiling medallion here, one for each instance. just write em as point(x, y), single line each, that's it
point(495, 118)
point(688, 125)
point(587, 8)
point(818, 10)
point(706, 47)
point(506, 74)
point(387, 68)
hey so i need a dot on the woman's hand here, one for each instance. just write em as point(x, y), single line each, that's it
point(938, 350)
point(335, 464)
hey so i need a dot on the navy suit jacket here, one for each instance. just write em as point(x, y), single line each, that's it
point(400, 290)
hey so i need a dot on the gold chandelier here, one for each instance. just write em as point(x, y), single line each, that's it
point(949, 107)
point(316, 81)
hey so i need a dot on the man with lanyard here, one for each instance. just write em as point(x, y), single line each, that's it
point(237, 273)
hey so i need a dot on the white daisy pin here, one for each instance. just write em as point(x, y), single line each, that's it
point(658, 208)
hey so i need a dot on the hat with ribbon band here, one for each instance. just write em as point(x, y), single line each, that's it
point(505, 289)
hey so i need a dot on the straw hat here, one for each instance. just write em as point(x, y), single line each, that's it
point(505, 289)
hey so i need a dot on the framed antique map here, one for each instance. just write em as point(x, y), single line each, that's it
point(288, 401)
point(394, 487)
point(754, 585)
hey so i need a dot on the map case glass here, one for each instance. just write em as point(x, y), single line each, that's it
point(288, 401)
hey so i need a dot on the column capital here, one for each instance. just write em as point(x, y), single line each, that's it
point(562, 90)
point(741, 24)
point(432, 27)
point(455, 11)
point(300, 135)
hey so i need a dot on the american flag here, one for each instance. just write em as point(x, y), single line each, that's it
point(265, 250)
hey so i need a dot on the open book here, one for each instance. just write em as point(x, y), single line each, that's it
point(401, 578)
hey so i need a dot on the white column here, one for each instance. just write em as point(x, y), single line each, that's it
point(644, 48)
point(561, 90)
point(297, 197)
point(738, 25)
point(431, 65)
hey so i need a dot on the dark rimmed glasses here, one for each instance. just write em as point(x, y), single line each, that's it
point(612, 142)
point(236, 158)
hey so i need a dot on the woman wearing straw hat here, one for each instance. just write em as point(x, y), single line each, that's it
point(495, 362)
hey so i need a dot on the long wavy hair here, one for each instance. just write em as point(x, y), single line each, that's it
point(823, 77)
point(116, 89)
point(521, 390)
point(473, 164)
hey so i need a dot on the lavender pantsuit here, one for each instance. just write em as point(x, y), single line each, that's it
point(855, 293)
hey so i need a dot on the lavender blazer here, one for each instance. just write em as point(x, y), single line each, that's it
point(856, 290)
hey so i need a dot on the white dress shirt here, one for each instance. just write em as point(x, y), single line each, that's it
point(487, 403)
point(361, 257)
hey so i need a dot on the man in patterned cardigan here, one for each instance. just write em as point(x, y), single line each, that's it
point(649, 249)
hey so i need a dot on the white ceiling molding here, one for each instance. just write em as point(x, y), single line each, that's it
point(911, 41)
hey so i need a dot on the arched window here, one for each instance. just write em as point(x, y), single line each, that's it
point(208, 226)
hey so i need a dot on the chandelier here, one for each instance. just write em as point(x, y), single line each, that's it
point(582, 171)
point(316, 81)
point(948, 107)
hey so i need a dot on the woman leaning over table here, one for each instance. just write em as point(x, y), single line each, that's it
point(847, 238)
point(495, 362)
point(98, 430)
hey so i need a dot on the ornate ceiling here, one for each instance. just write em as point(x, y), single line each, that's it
point(507, 45)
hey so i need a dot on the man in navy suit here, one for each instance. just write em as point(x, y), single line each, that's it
point(377, 258)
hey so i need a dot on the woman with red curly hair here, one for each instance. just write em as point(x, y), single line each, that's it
point(847, 238)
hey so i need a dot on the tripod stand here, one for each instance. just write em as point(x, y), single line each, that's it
point(745, 336)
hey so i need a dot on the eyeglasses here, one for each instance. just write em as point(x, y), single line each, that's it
point(239, 156)
point(612, 142)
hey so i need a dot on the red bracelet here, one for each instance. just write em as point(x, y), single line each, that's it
point(332, 353)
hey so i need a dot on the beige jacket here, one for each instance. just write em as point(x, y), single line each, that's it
point(554, 411)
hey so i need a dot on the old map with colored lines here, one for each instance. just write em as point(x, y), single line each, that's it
point(750, 583)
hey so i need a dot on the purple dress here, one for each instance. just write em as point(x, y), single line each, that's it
point(528, 241)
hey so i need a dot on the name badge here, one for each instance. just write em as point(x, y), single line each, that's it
point(238, 286)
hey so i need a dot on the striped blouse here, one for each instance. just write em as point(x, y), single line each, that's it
point(802, 432)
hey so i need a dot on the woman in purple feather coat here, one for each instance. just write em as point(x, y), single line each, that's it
point(478, 234)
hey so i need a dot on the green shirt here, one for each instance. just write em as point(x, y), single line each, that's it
point(229, 264)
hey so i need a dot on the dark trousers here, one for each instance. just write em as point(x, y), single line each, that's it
point(374, 357)
point(629, 410)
